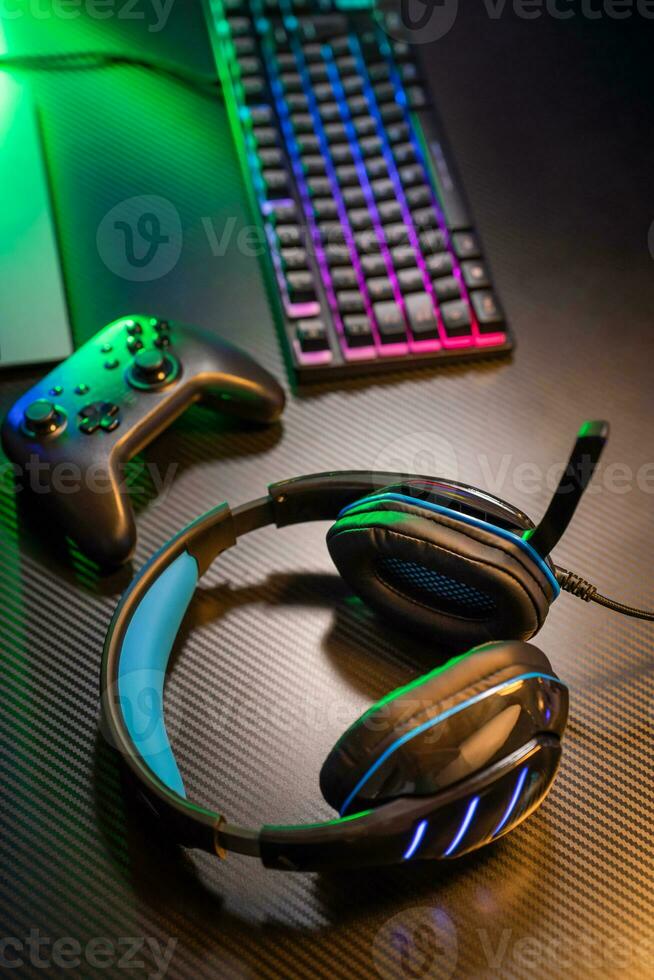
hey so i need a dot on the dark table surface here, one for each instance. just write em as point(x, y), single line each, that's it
point(552, 124)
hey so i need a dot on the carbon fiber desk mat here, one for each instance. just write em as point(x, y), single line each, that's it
point(547, 118)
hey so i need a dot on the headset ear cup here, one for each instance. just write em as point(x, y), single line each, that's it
point(434, 574)
point(367, 741)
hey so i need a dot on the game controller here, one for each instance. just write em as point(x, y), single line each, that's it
point(99, 408)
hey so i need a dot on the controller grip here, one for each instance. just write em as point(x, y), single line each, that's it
point(240, 386)
point(100, 519)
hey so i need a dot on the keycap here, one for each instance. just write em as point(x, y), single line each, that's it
point(358, 105)
point(249, 66)
point(389, 211)
point(397, 234)
point(309, 142)
point(384, 91)
point(329, 111)
point(350, 301)
point(379, 287)
point(283, 214)
point(288, 235)
point(466, 245)
point(358, 331)
point(432, 240)
point(344, 277)
point(416, 97)
point(291, 81)
point(378, 71)
point(271, 157)
point(332, 232)
point(389, 322)
point(277, 182)
point(303, 123)
point(411, 174)
point(487, 310)
point(314, 165)
point(447, 288)
point(424, 218)
point(383, 188)
point(360, 218)
point(337, 254)
point(261, 115)
point(421, 316)
point(254, 89)
point(297, 102)
point(319, 186)
point(475, 274)
point(325, 207)
point(410, 280)
point(391, 112)
point(403, 256)
point(245, 45)
point(294, 258)
point(366, 241)
point(365, 126)
point(376, 167)
point(404, 153)
point(417, 196)
point(301, 288)
point(370, 146)
point(354, 197)
point(323, 91)
point(398, 132)
point(456, 318)
point(353, 84)
point(335, 132)
point(311, 335)
point(340, 153)
point(373, 265)
point(440, 264)
point(347, 174)
point(265, 136)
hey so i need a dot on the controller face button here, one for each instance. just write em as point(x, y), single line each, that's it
point(99, 415)
point(133, 328)
point(41, 418)
point(152, 369)
point(82, 390)
point(112, 364)
point(134, 344)
point(162, 342)
point(57, 391)
point(161, 326)
point(106, 348)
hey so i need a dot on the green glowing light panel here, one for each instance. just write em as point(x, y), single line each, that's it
point(34, 323)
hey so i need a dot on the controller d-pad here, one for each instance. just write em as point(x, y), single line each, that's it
point(103, 416)
point(152, 368)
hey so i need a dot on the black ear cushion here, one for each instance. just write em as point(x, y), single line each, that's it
point(434, 574)
point(410, 706)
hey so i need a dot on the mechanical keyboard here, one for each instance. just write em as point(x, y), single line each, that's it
point(372, 255)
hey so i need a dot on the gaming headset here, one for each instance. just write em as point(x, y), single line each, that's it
point(436, 769)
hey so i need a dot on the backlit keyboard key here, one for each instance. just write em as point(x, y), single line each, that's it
point(466, 245)
point(475, 274)
point(456, 318)
point(410, 280)
point(312, 336)
point(358, 331)
point(488, 311)
point(440, 264)
point(447, 288)
point(350, 301)
point(390, 322)
point(379, 288)
point(344, 277)
point(301, 287)
point(421, 316)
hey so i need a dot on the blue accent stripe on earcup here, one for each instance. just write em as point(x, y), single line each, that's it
point(414, 732)
point(465, 519)
point(142, 667)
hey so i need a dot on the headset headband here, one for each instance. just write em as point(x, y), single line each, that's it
point(139, 644)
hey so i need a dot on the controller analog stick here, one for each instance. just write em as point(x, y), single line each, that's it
point(41, 418)
point(152, 369)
